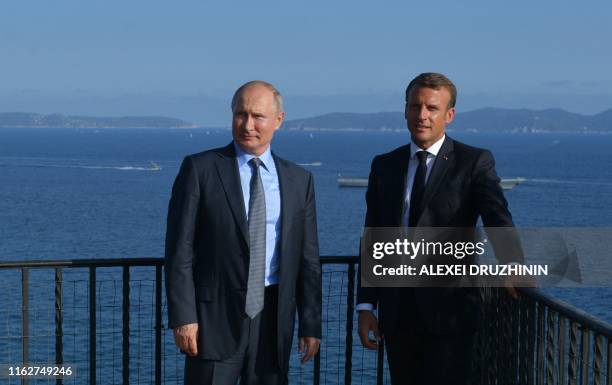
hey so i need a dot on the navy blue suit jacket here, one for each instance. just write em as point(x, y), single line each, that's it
point(207, 253)
point(462, 186)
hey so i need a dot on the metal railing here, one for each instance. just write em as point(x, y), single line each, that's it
point(94, 310)
point(535, 340)
point(542, 340)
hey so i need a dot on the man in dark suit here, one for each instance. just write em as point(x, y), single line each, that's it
point(242, 253)
point(434, 181)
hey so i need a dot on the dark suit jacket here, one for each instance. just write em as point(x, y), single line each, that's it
point(207, 253)
point(462, 186)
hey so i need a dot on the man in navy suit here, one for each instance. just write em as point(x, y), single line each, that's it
point(434, 181)
point(242, 253)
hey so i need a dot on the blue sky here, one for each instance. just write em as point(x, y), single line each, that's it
point(185, 58)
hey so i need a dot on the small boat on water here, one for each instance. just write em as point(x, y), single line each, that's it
point(311, 164)
point(154, 166)
point(506, 184)
point(509, 183)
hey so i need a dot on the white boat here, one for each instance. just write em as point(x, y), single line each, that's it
point(311, 164)
point(509, 183)
point(154, 166)
point(506, 183)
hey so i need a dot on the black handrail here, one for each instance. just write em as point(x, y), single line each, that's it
point(102, 262)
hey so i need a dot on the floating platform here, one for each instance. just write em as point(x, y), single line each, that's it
point(352, 182)
point(506, 184)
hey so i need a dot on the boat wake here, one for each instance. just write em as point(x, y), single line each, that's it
point(560, 181)
point(152, 167)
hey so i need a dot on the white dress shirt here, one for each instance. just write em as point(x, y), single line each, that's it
point(413, 164)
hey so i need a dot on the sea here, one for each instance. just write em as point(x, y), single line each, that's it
point(85, 193)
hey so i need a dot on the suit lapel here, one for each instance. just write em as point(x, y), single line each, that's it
point(227, 167)
point(397, 183)
point(287, 196)
point(441, 165)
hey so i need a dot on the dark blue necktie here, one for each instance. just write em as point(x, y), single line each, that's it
point(418, 189)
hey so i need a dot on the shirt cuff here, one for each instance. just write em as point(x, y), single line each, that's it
point(364, 306)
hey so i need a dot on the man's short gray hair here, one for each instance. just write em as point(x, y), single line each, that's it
point(278, 98)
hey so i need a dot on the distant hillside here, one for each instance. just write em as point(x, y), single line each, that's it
point(482, 120)
point(350, 120)
point(31, 120)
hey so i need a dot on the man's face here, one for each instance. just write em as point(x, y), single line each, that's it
point(255, 119)
point(427, 114)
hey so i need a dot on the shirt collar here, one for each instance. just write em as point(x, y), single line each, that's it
point(433, 149)
point(244, 157)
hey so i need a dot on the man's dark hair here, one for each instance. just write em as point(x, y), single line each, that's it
point(436, 81)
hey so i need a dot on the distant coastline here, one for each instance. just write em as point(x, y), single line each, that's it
point(485, 120)
point(481, 120)
point(448, 130)
point(33, 120)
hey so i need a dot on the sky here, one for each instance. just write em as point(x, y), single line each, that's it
point(185, 58)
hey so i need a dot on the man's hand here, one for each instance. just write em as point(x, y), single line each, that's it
point(309, 347)
point(511, 282)
point(367, 322)
point(186, 338)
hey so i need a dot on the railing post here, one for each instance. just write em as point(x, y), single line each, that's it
point(350, 308)
point(561, 354)
point(515, 341)
point(609, 376)
point(494, 366)
point(92, 325)
point(126, 326)
point(597, 360)
point(479, 376)
point(523, 339)
point(316, 378)
point(505, 328)
point(550, 348)
point(572, 370)
point(541, 343)
point(59, 320)
point(532, 342)
point(508, 355)
point(380, 363)
point(25, 319)
point(584, 371)
point(158, 323)
point(609, 382)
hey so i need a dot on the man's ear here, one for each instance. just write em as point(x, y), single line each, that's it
point(279, 119)
point(450, 115)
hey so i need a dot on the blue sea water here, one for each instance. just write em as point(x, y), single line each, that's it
point(69, 193)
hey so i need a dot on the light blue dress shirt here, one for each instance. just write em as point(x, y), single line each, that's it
point(269, 179)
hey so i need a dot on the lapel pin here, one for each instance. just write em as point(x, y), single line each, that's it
point(444, 157)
